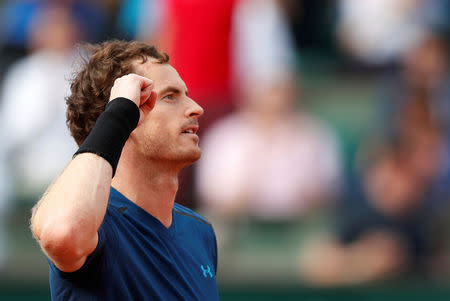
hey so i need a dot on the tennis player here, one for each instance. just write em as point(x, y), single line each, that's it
point(108, 224)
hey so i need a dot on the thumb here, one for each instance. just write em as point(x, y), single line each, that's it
point(149, 104)
point(152, 99)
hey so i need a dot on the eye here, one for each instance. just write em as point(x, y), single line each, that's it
point(168, 97)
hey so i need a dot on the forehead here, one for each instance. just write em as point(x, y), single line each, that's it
point(163, 75)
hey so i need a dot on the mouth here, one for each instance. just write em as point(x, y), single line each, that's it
point(190, 130)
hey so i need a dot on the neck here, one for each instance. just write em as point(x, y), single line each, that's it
point(150, 185)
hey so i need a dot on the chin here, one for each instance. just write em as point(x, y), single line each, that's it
point(187, 157)
point(193, 156)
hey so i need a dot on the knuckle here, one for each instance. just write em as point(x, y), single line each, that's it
point(118, 80)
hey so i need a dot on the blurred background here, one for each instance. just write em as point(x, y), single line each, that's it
point(326, 139)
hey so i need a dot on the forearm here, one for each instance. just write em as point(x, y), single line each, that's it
point(67, 218)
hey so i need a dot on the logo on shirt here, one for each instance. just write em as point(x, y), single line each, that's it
point(207, 271)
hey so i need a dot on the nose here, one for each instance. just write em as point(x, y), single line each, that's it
point(194, 109)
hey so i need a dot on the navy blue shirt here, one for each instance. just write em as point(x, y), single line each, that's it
point(138, 258)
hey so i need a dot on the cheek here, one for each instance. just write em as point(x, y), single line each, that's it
point(158, 129)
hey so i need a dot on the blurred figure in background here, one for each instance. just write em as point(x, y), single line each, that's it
point(16, 24)
point(377, 33)
point(265, 167)
point(36, 144)
point(388, 222)
point(261, 50)
point(424, 70)
point(266, 160)
point(421, 90)
point(36, 45)
point(385, 230)
point(216, 44)
point(264, 171)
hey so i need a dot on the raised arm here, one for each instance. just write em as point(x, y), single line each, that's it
point(66, 220)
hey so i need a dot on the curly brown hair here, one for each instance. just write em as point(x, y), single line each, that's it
point(90, 88)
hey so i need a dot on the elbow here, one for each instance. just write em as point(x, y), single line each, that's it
point(64, 243)
point(60, 241)
point(66, 239)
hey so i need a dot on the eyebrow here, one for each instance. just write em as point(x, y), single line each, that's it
point(172, 89)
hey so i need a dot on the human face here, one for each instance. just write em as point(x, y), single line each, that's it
point(168, 132)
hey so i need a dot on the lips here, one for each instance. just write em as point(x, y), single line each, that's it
point(191, 129)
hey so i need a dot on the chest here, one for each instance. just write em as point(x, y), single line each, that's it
point(178, 265)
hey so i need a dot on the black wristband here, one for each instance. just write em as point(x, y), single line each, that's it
point(111, 131)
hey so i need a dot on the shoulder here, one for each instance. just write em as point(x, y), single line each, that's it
point(188, 213)
point(196, 227)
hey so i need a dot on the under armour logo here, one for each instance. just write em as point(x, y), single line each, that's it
point(207, 271)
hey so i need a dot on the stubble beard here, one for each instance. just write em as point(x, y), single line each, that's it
point(165, 152)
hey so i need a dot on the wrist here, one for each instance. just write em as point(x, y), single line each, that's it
point(111, 131)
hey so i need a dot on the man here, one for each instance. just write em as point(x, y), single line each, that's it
point(109, 224)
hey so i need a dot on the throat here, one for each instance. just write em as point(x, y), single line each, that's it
point(150, 184)
point(155, 194)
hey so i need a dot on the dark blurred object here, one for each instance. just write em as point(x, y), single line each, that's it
point(312, 24)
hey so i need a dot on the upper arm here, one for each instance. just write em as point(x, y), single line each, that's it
point(67, 219)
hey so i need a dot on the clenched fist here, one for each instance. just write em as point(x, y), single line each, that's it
point(138, 89)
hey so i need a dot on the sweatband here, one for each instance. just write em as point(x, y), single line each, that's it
point(111, 131)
